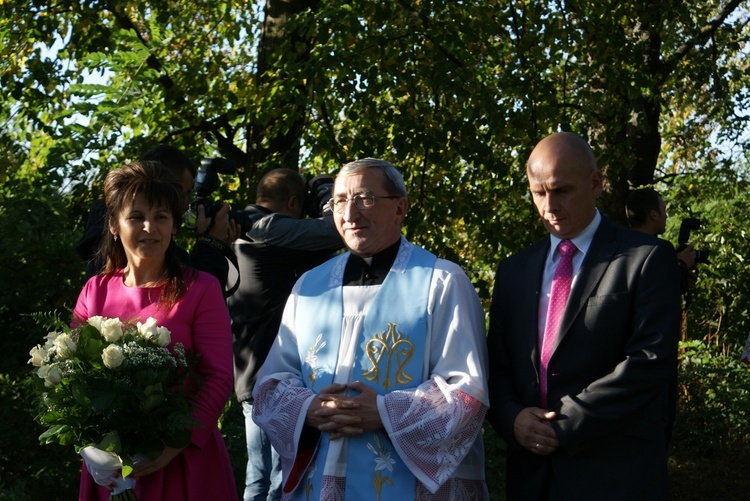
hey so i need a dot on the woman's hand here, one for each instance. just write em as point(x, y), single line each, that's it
point(147, 468)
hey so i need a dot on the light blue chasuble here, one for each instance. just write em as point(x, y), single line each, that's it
point(390, 356)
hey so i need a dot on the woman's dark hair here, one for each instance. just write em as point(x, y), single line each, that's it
point(159, 186)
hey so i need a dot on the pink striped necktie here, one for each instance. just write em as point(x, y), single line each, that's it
point(557, 299)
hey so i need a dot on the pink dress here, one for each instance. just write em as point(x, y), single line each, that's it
point(200, 321)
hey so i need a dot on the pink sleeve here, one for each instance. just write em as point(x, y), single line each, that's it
point(212, 339)
point(81, 310)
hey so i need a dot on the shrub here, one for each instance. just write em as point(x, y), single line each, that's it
point(714, 399)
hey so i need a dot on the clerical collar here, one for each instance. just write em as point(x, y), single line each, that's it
point(359, 272)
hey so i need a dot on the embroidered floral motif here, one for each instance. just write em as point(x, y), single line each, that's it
point(312, 359)
point(309, 483)
point(389, 345)
point(383, 461)
point(402, 258)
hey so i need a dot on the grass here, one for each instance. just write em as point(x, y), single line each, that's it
point(720, 476)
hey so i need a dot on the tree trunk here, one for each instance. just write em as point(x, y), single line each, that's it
point(274, 138)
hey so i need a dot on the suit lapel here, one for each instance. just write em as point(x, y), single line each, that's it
point(534, 270)
point(602, 249)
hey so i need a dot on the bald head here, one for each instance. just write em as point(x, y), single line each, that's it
point(563, 148)
point(564, 182)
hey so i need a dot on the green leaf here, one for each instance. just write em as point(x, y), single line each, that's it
point(110, 443)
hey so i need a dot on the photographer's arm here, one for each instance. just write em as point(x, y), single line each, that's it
point(286, 231)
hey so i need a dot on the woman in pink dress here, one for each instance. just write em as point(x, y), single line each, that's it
point(143, 278)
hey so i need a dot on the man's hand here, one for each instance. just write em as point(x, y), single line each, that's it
point(344, 416)
point(222, 228)
point(533, 431)
point(687, 256)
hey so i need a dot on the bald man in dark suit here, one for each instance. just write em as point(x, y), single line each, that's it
point(581, 396)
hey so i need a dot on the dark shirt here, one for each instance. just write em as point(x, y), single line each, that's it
point(276, 250)
point(358, 272)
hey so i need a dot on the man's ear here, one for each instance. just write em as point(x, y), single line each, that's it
point(597, 183)
point(401, 207)
point(294, 206)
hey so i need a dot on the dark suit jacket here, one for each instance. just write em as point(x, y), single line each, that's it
point(609, 373)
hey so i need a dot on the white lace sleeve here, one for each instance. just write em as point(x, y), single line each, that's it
point(433, 428)
point(280, 407)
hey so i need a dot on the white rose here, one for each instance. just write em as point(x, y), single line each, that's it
point(96, 322)
point(111, 329)
point(147, 329)
point(164, 336)
point(112, 356)
point(51, 336)
point(151, 332)
point(38, 354)
point(51, 374)
point(64, 345)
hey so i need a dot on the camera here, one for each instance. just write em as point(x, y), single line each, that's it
point(206, 182)
point(689, 224)
point(318, 191)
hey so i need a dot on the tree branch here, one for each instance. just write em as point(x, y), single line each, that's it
point(702, 37)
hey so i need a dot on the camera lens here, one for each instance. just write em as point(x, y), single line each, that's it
point(191, 218)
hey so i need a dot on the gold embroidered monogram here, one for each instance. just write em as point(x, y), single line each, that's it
point(389, 344)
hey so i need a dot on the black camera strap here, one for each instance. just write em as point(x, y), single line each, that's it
point(225, 249)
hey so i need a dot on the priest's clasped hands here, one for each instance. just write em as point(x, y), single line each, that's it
point(332, 410)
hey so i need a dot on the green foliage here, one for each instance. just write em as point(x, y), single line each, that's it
point(27, 470)
point(494, 451)
point(454, 93)
point(718, 310)
point(40, 268)
point(714, 404)
point(232, 426)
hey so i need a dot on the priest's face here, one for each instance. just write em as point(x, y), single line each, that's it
point(367, 230)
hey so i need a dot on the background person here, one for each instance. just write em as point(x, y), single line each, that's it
point(647, 212)
point(375, 385)
point(279, 246)
point(143, 277)
point(579, 384)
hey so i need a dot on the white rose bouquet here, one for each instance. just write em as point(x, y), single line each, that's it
point(113, 386)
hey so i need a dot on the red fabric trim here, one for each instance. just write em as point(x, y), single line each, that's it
point(301, 462)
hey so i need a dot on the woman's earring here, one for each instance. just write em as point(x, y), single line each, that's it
point(115, 238)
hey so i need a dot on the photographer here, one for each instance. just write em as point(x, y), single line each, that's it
point(278, 245)
point(215, 234)
point(647, 212)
